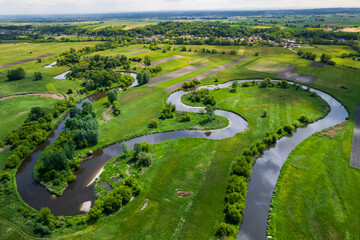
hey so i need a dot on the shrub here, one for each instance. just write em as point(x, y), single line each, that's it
point(233, 215)
point(185, 118)
point(237, 184)
point(288, 128)
point(2, 144)
point(264, 114)
point(5, 176)
point(234, 197)
point(153, 124)
point(96, 210)
point(112, 95)
point(41, 229)
point(12, 161)
point(38, 76)
point(45, 216)
point(331, 63)
point(116, 108)
point(16, 74)
point(226, 230)
point(145, 159)
point(304, 119)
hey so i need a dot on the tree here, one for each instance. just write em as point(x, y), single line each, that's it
point(112, 95)
point(210, 112)
point(116, 108)
point(147, 60)
point(16, 74)
point(38, 76)
point(45, 216)
point(145, 159)
point(226, 230)
point(325, 57)
point(125, 148)
point(56, 160)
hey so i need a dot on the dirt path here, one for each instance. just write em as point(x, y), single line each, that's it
point(174, 74)
point(208, 73)
point(166, 59)
point(355, 148)
point(55, 96)
point(288, 74)
point(24, 61)
point(133, 54)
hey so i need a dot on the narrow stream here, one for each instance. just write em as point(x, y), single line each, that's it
point(81, 191)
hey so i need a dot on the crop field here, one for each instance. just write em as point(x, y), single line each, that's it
point(320, 193)
point(268, 66)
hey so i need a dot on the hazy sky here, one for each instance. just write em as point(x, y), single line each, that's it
point(115, 6)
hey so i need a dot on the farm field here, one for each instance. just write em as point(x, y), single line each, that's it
point(200, 166)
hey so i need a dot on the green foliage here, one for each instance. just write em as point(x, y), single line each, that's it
point(226, 230)
point(45, 217)
point(16, 74)
point(147, 60)
point(143, 77)
point(325, 57)
point(203, 96)
point(116, 108)
point(153, 124)
point(304, 119)
point(145, 159)
point(210, 113)
point(38, 76)
point(112, 95)
point(185, 118)
point(168, 111)
point(96, 210)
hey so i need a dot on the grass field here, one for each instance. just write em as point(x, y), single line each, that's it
point(202, 169)
point(268, 66)
point(14, 111)
point(203, 166)
point(317, 196)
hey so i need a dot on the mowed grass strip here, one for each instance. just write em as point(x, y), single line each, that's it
point(268, 66)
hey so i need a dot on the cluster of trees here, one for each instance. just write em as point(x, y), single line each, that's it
point(191, 84)
point(57, 162)
point(306, 55)
point(203, 96)
point(112, 96)
point(154, 70)
point(97, 79)
point(33, 131)
point(168, 111)
point(240, 175)
point(16, 74)
point(326, 58)
point(143, 77)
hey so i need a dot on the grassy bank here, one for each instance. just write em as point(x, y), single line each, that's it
point(317, 195)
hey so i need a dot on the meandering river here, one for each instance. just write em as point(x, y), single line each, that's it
point(262, 180)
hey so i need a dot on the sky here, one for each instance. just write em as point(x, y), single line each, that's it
point(118, 6)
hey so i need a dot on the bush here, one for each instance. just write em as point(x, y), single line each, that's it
point(45, 216)
point(304, 119)
point(226, 230)
point(5, 176)
point(96, 210)
point(234, 197)
point(16, 74)
point(12, 161)
point(38, 76)
point(185, 118)
point(112, 95)
point(41, 229)
point(145, 159)
point(331, 63)
point(2, 144)
point(289, 128)
point(233, 215)
point(153, 124)
point(116, 108)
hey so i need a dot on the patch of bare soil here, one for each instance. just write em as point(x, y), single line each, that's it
point(166, 59)
point(199, 165)
point(317, 64)
point(333, 131)
point(55, 96)
point(107, 114)
point(288, 74)
point(131, 50)
point(146, 203)
point(207, 73)
point(4, 148)
point(184, 194)
point(174, 74)
point(24, 61)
